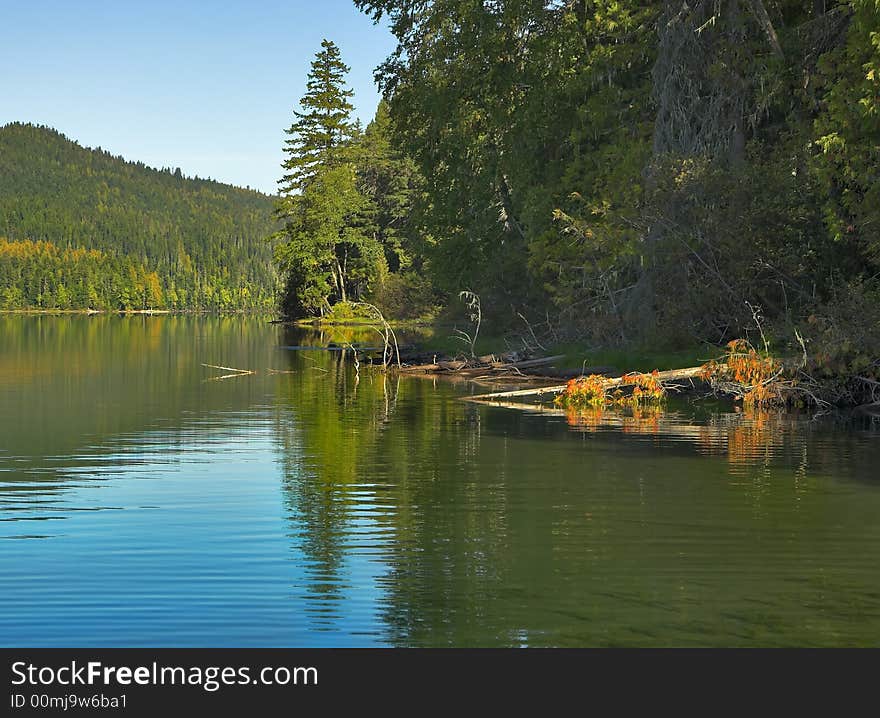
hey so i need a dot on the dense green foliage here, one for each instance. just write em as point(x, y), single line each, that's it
point(644, 171)
point(40, 274)
point(327, 249)
point(392, 185)
point(347, 204)
point(848, 132)
point(203, 241)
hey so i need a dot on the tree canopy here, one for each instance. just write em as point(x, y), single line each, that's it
point(643, 171)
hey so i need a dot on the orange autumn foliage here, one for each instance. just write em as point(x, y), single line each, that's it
point(743, 365)
point(634, 389)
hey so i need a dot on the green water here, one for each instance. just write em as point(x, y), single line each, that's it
point(145, 500)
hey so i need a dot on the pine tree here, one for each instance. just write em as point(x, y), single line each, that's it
point(324, 129)
point(327, 249)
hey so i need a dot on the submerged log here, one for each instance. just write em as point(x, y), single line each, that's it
point(229, 368)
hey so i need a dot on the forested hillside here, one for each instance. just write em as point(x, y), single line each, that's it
point(162, 240)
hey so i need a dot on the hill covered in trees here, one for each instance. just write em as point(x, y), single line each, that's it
point(80, 228)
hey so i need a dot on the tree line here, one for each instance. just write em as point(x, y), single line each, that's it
point(41, 275)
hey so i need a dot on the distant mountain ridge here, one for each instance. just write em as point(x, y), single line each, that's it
point(205, 242)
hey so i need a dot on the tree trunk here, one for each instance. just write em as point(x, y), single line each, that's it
point(340, 284)
point(764, 20)
point(670, 375)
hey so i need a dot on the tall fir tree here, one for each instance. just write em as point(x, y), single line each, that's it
point(324, 130)
point(328, 249)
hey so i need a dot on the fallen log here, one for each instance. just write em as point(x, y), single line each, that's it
point(479, 365)
point(528, 363)
point(554, 373)
point(670, 375)
point(416, 368)
point(331, 348)
point(443, 367)
point(452, 365)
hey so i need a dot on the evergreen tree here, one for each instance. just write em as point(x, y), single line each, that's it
point(324, 130)
point(391, 182)
point(328, 248)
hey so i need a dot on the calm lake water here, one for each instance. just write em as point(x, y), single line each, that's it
point(145, 500)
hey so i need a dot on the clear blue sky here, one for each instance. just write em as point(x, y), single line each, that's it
point(205, 86)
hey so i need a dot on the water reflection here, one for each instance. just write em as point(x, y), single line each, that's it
point(752, 440)
point(146, 505)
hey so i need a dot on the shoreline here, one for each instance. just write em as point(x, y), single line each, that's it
point(318, 323)
point(147, 312)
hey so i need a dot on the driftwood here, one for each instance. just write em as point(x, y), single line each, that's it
point(554, 373)
point(481, 365)
point(230, 368)
point(241, 372)
point(670, 375)
point(527, 364)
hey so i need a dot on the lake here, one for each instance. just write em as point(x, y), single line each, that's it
point(147, 500)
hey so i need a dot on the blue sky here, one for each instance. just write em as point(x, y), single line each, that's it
point(205, 86)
